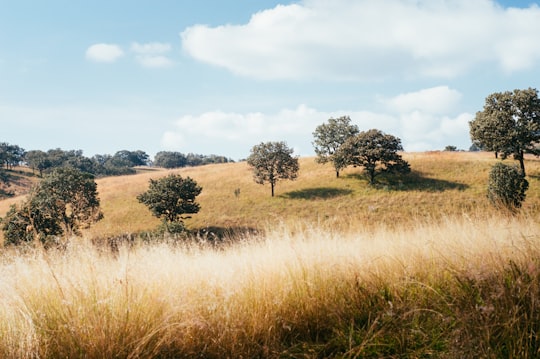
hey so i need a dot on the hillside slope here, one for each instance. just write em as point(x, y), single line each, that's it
point(441, 184)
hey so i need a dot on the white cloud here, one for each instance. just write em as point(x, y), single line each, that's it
point(364, 39)
point(417, 118)
point(440, 99)
point(425, 124)
point(104, 53)
point(152, 54)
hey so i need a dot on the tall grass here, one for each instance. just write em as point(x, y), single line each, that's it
point(458, 287)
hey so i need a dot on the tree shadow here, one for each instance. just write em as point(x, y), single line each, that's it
point(215, 235)
point(414, 181)
point(317, 193)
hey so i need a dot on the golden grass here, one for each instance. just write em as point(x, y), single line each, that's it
point(298, 291)
point(422, 267)
point(442, 184)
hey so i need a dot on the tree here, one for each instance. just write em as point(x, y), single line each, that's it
point(69, 196)
point(507, 186)
point(171, 197)
point(376, 151)
point(168, 159)
point(11, 155)
point(271, 162)
point(509, 124)
point(38, 160)
point(329, 137)
point(126, 158)
point(62, 203)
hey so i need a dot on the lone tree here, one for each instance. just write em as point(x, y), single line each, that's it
point(61, 204)
point(329, 137)
point(376, 151)
point(507, 186)
point(170, 198)
point(509, 124)
point(271, 162)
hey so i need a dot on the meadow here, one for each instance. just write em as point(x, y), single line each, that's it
point(415, 267)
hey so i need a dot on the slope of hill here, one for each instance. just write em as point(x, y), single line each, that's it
point(421, 268)
point(441, 184)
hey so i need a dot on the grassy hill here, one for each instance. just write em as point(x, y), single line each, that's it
point(441, 184)
point(420, 268)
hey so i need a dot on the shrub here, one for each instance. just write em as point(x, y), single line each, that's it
point(507, 186)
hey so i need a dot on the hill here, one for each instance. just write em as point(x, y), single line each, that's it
point(441, 185)
point(421, 268)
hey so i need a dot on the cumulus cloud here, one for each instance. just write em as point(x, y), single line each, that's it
point(152, 54)
point(364, 39)
point(423, 120)
point(440, 99)
point(104, 53)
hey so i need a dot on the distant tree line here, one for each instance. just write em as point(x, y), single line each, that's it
point(168, 159)
point(121, 163)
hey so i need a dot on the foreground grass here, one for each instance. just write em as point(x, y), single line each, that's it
point(459, 287)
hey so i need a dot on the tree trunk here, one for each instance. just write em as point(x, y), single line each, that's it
point(522, 162)
point(371, 176)
point(337, 173)
point(272, 186)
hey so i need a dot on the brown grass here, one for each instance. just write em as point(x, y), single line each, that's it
point(461, 288)
point(442, 184)
point(418, 268)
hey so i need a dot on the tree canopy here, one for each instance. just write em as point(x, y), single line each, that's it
point(376, 151)
point(171, 197)
point(272, 162)
point(329, 137)
point(509, 124)
point(62, 203)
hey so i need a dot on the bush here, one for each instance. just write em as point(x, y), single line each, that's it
point(507, 186)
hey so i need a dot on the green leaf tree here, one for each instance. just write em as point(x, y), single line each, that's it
point(329, 136)
point(376, 151)
point(168, 159)
point(69, 196)
point(62, 203)
point(170, 198)
point(507, 186)
point(272, 162)
point(509, 124)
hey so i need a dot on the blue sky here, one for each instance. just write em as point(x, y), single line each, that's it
point(217, 76)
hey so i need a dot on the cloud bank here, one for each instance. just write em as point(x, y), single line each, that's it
point(419, 118)
point(366, 40)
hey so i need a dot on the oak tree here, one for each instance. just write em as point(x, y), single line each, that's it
point(329, 137)
point(272, 162)
point(509, 124)
point(170, 198)
point(376, 151)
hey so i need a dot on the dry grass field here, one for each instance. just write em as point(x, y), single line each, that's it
point(418, 268)
point(442, 184)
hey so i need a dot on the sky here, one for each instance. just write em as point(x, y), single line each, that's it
point(220, 76)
